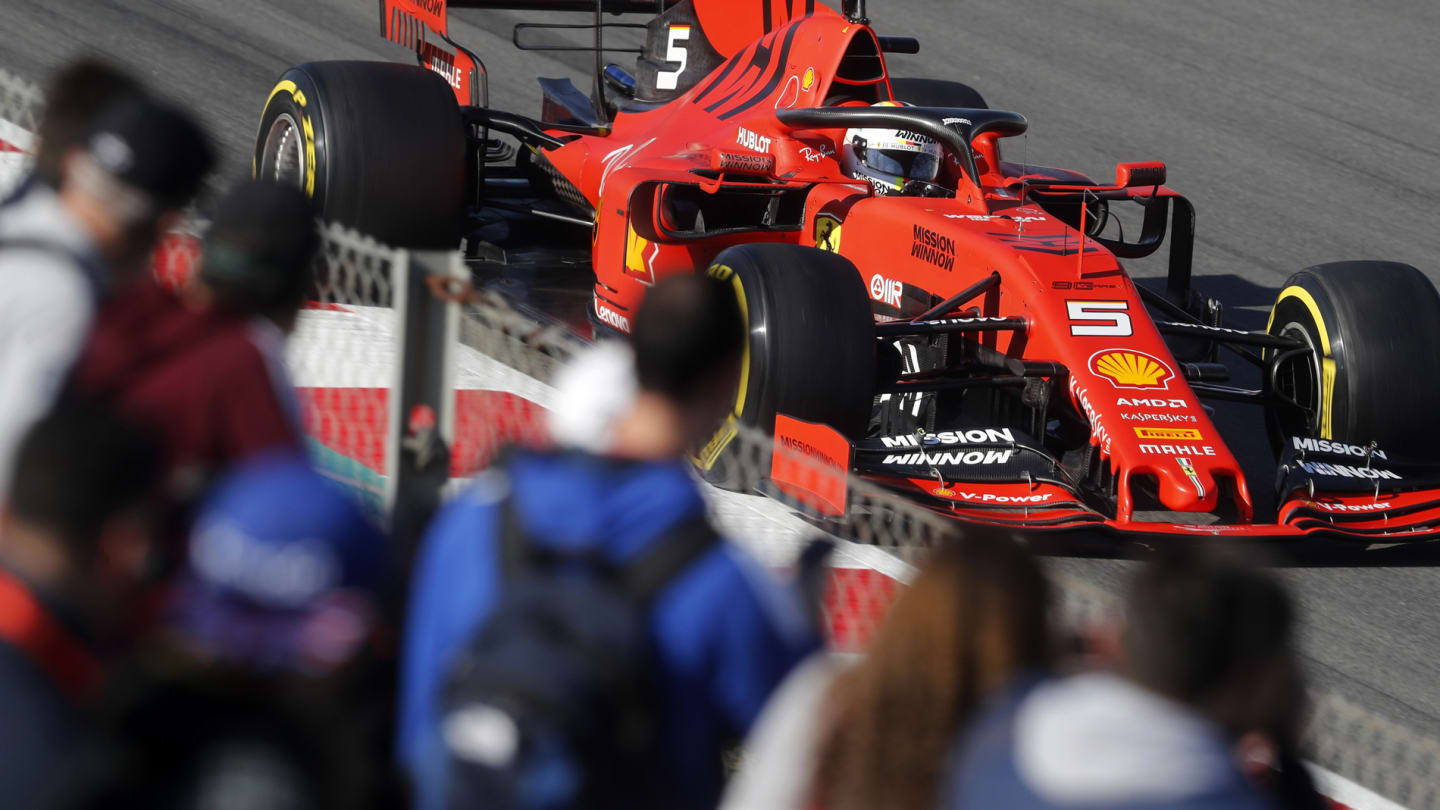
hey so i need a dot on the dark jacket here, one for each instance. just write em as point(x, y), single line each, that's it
point(212, 387)
point(48, 748)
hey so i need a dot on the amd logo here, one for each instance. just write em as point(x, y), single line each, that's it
point(1141, 402)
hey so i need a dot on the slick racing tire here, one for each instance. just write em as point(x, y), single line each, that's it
point(937, 93)
point(810, 352)
point(379, 147)
point(1374, 372)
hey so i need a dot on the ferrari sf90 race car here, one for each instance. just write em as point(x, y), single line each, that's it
point(923, 313)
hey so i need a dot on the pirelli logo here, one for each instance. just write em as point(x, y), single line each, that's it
point(1170, 434)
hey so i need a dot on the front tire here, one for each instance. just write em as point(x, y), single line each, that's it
point(379, 147)
point(810, 355)
point(1374, 372)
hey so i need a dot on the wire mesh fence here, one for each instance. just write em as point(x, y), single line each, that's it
point(20, 104)
point(342, 358)
point(20, 101)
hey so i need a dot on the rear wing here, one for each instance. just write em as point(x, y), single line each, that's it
point(423, 26)
point(607, 6)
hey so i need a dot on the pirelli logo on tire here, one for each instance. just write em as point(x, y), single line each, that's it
point(307, 129)
point(710, 453)
point(1170, 434)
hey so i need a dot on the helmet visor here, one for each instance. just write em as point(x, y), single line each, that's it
point(903, 163)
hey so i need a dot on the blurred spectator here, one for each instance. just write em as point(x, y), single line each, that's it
point(262, 693)
point(283, 571)
point(1207, 658)
point(876, 734)
point(720, 633)
point(208, 372)
point(592, 390)
point(73, 542)
point(74, 96)
point(1209, 630)
point(65, 243)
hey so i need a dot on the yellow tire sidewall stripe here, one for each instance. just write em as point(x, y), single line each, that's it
point(1327, 363)
point(727, 431)
point(288, 86)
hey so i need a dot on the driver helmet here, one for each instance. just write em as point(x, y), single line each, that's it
point(889, 158)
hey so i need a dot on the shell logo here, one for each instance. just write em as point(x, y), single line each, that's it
point(808, 80)
point(1131, 369)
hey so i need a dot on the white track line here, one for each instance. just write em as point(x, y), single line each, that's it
point(13, 164)
point(12, 135)
point(1349, 794)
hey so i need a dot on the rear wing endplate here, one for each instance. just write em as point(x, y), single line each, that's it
point(423, 26)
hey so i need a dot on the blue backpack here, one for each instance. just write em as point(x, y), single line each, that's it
point(551, 705)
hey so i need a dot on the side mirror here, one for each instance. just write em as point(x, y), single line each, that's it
point(1145, 173)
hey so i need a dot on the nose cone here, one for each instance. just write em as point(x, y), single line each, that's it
point(1185, 486)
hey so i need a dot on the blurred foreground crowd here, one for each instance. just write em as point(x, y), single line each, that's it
point(193, 617)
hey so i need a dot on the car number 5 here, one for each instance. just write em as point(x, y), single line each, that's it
point(1099, 318)
point(674, 52)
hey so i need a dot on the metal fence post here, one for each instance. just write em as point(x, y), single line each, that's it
point(422, 397)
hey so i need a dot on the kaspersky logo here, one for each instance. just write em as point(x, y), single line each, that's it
point(1188, 467)
point(1125, 368)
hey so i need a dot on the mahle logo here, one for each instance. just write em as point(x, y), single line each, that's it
point(1131, 369)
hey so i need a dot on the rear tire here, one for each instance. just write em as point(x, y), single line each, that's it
point(937, 93)
point(811, 350)
point(1375, 372)
point(379, 147)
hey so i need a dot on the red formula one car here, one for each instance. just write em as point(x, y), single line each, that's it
point(923, 313)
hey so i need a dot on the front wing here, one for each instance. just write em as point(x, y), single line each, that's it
point(1372, 499)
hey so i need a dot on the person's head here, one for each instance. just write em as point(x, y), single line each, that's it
point(1206, 628)
point(688, 340)
point(890, 159)
point(141, 161)
point(259, 252)
point(80, 515)
point(283, 571)
point(976, 616)
point(75, 96)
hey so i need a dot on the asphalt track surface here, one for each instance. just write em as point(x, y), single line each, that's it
point(1304, 131)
